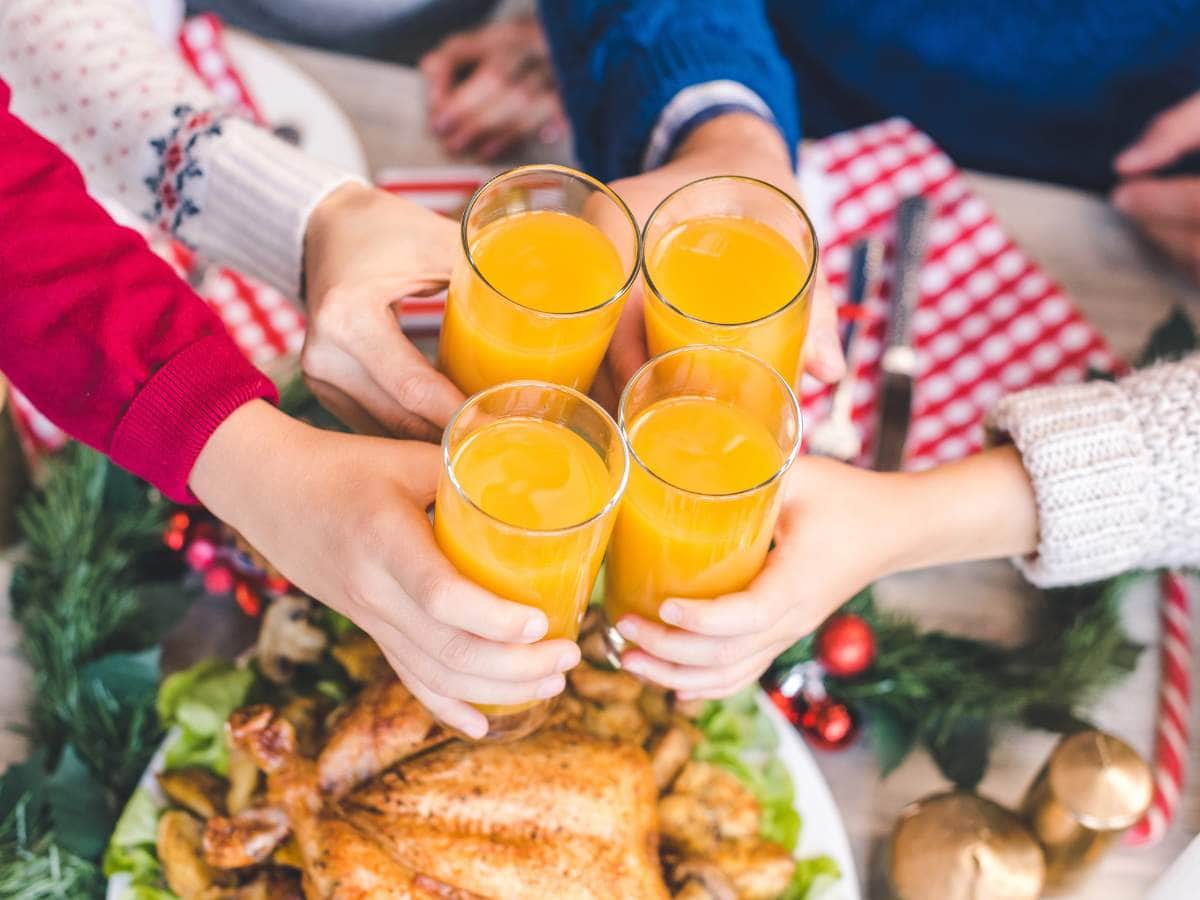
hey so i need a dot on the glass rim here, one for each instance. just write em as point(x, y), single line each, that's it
point(657, 294)
point(475, 399)
point(587, 179)
point(793, 403)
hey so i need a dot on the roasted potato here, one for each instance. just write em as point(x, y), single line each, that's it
point(620, 720)
point(180, 852)
point(197, 790)
point(736, 810)
point(670, 750)
point(246, 839)
point(360, 657)
point(758, 869)
point(273, 884)
point(604, 686)
point(243, 780)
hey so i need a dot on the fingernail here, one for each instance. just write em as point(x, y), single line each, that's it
point(628, 629)
point(569, 660)
point(478, 730)
point(1133, 158)
point(671, 613)
point(633, 664)
point(551, 688)
point(535, 628)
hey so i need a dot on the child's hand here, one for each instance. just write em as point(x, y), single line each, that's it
point(364, 251)
point(826, 550)
point(344, 518)
point(840, 529)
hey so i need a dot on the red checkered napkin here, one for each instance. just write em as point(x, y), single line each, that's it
point(988, 321)
point(202, 45)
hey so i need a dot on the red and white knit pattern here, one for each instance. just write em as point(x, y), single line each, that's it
point(1174, 699)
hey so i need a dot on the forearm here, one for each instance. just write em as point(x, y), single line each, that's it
point(737, 143)
point(149, 134)
point(621, 64)
point(982, 507)
point(98, 331)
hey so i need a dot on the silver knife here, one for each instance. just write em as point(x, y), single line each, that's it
point(899, 365)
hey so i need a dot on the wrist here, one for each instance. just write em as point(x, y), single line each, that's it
point(349, 199)
point(740, 143)
point(982, 507)
point(234, 462)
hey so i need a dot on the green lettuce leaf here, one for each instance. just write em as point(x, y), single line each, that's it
point(811, 877)
point(198, 701)
point(131, 848)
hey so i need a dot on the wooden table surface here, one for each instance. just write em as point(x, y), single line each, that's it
point(1122, 285)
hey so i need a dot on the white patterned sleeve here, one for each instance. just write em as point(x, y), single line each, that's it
point(93, 76)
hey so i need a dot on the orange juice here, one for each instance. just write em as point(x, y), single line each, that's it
point(731, 281)
point(523, 522)
point(521, 312)
point(692, 523)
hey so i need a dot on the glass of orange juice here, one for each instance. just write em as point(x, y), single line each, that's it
point(532, 474)
point(730, 261)
point(549, 255)
point(711, 432)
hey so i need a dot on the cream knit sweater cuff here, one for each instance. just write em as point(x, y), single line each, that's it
point(258, 193)
point(1115, 469)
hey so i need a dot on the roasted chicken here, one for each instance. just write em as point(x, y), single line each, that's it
point(378, 801)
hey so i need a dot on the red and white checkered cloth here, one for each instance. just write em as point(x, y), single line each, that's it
point(988, 321)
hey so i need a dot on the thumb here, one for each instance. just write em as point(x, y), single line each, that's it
point(823, 346)
point(1169, 135)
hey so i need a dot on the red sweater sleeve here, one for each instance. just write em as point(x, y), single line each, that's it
point(98, 331)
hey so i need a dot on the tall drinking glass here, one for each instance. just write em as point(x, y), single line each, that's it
point(549, 255)
point(532, 475)
point(711, 432)
point(730, 262)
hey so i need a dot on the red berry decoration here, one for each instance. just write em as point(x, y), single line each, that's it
point(218, 580)
point(247, 599)
point(200, 553)
point(846, 646)
point(785, 705)
point(175, 534)
point(828, 724)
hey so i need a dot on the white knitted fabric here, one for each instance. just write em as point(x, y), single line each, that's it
point(1116, 471)
point(92, 76)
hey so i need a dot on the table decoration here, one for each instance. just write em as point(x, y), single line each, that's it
point(960, 846)
point(1093, 788)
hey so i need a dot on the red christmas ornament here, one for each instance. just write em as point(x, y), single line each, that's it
point(200, 553)
point(828, 724)
point(785, 705)
point(247, 599)
point(846, 646)
point(175, 534)
point(218, 580)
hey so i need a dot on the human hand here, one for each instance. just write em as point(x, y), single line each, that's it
point(840, 529)
point(732, 144)
point(1167, 209)
point(493, 88)
point(343, 517)
point(364, 250)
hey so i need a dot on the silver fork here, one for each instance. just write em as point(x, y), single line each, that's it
point(837, 436)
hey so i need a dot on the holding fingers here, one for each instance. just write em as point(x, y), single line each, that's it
point(1165, 207)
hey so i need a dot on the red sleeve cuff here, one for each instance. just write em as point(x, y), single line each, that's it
point(174, 414)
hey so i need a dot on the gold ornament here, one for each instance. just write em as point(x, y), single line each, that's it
point(959, 846)
point(1093, 787)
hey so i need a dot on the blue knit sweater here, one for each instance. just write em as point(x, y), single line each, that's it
point(1049, 90)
